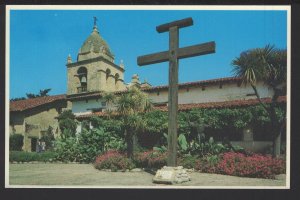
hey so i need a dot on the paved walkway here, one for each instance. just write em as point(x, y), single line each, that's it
point(59, 175)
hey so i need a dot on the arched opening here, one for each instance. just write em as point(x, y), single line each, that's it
point(117, 76)
point(108, 72)
point(82, 75)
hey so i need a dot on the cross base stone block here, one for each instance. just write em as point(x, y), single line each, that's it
point(171, 175)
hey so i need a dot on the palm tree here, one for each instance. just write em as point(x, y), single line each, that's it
point(128, 106)
point(269, 65)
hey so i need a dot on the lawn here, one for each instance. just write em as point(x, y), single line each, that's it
point(41, 174)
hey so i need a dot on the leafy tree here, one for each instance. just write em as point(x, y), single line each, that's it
point(48, 138)
point(44, 93)
point(67, 124)
point(269, 65)
point(129, 105)
point(16, 142)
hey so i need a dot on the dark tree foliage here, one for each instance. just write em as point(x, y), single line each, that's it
point(18, 99)
point(16, 142)
point(67, 124)
point(48, 138)
point(42, 93)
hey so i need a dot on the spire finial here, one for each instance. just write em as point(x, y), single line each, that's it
point(69, 59)
point(121, 64)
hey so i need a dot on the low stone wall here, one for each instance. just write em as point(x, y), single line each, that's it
point(255, 146)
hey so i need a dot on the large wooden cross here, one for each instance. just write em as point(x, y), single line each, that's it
point(172, 55)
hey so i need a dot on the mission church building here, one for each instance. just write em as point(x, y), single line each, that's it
point(94, 73)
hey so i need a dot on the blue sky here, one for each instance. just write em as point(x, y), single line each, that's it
point(40, 41)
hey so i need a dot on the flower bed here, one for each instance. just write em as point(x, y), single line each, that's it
point(230, 163)
point(113, 160)
point(238, 164)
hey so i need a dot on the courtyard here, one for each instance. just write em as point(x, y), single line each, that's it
point(85, 175)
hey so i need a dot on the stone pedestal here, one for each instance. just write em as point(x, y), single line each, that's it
point(171, 175)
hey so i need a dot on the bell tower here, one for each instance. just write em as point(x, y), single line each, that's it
point(95, 69)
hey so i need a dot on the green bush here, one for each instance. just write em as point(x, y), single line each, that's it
point(16, 142)
point(67, 124)
point(21, 156)
point(113, 160)
point(48, 138)
point(187, 161)
point(207, 164)
point(67, 149)
point(87, 145)
point(150, 159)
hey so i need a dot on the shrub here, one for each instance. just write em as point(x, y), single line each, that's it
point(67, 149)
point(16, 142)
point(208, 148)
point(87, 145)
point(150, 159)
point(67, 124)
point(187, 161)
point(113, 160)
point(48, 138)
point(207, 164)
point(21, 156)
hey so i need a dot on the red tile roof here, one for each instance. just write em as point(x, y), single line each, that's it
point(34, 102)
point(184, 107)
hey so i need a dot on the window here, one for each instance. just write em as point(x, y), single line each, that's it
point(107, 73)
point(82, 75)
point(117, 76)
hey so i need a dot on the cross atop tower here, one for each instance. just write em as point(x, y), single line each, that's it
point(95, 21)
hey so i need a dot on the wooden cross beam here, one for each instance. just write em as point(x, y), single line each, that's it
point(172, 55)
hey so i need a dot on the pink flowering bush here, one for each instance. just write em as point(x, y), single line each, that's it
point(257, 165)
point(113, 160)
point(150, 159)
point(238, 164)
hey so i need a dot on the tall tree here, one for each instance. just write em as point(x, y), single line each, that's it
point(269, 65)
point(128, 105)
point(42, 93)
point(67, 124)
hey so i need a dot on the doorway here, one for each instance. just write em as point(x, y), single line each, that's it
point(33, 144)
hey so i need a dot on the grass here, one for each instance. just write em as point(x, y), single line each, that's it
point(54, 174)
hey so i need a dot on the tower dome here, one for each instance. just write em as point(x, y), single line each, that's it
point(95, 46)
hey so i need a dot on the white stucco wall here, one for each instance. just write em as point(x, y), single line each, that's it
point(211, 93)
point(83, 107)
point(195, 94)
